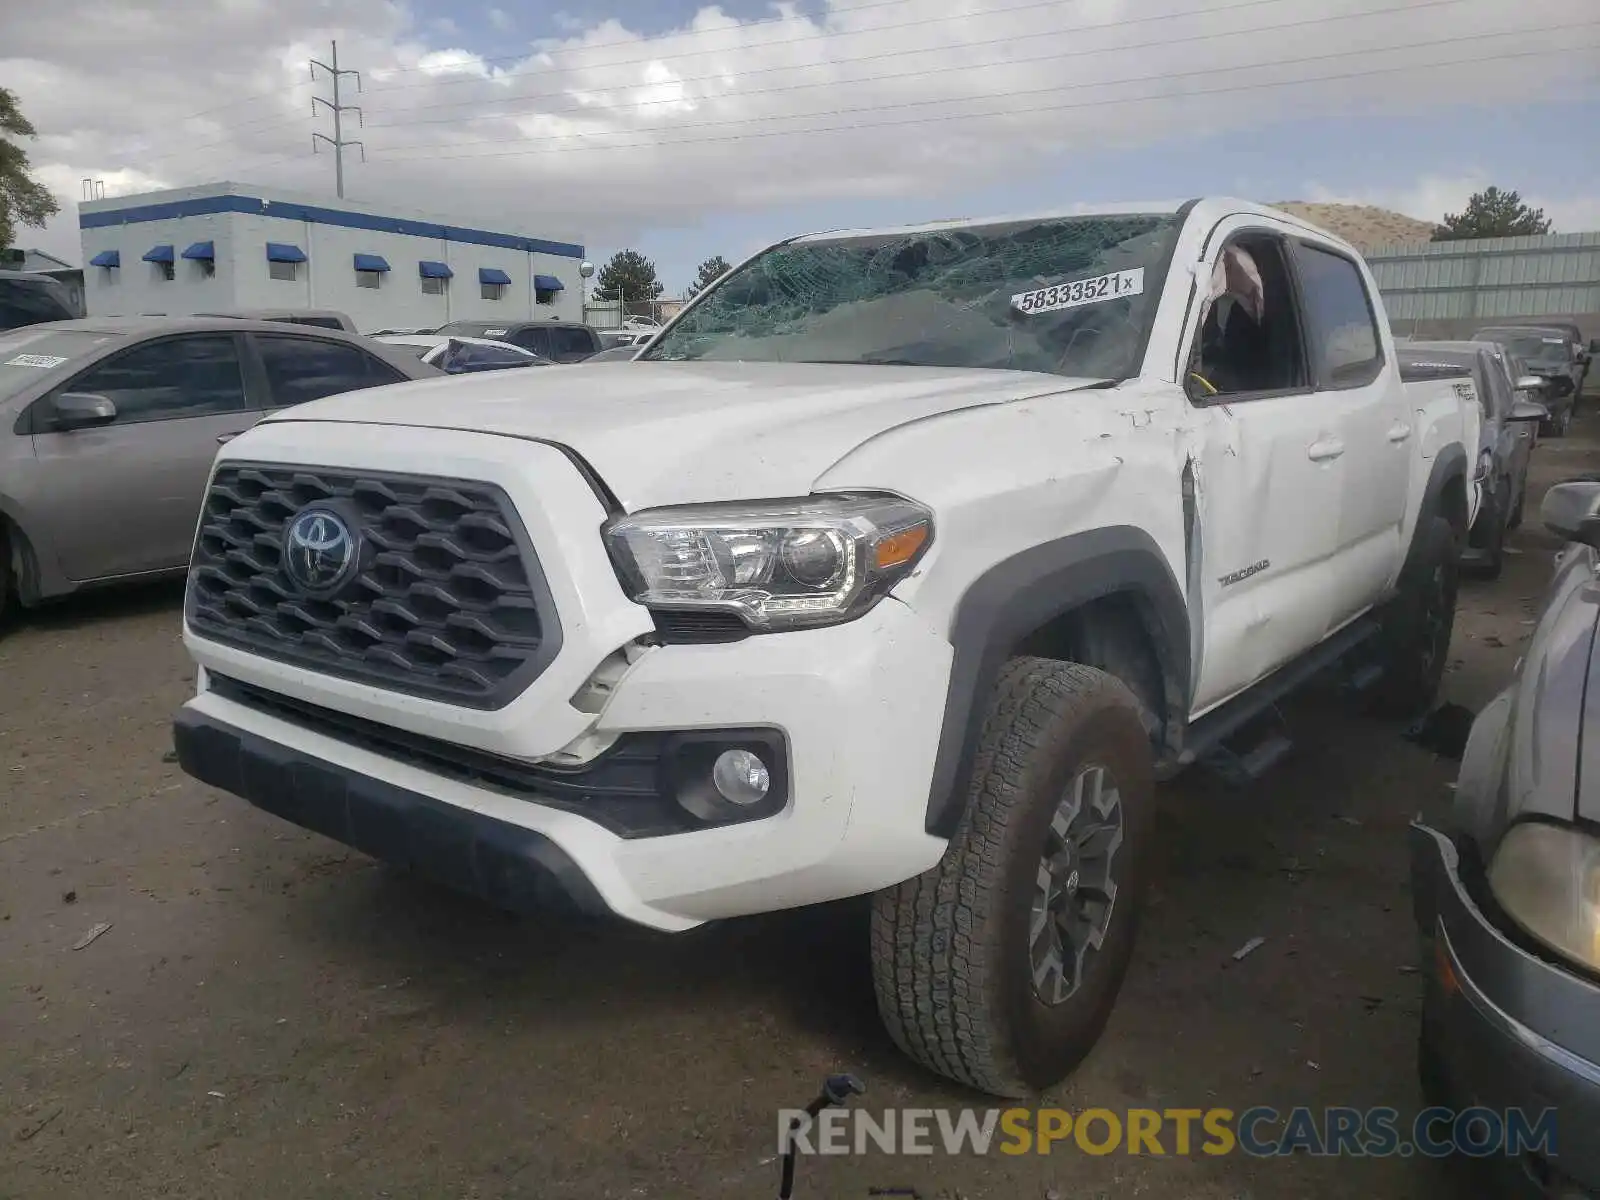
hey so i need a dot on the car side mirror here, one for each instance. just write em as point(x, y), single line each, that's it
point(81, 410)
point(1571, 511)
point(1527, 410)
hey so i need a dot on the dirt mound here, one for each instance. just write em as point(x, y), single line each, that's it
point(1362, 225)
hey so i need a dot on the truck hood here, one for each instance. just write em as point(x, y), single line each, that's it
point(681, 432)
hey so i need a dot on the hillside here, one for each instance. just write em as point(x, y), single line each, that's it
point(1362, 225)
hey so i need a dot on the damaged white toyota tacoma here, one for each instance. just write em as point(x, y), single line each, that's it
point(903, 562)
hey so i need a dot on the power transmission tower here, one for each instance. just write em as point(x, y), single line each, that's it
point(337, 141)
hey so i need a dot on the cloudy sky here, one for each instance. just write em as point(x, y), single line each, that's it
point(689, 131)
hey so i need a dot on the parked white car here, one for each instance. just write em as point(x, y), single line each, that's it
point(902, 562)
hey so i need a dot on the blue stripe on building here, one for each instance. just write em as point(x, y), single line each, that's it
point(203, 206)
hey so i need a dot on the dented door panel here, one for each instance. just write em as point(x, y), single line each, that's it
point(1268, 520)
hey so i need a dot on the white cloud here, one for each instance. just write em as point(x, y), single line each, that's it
point(602, 131)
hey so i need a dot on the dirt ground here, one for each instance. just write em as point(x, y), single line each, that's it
point(269, 1015)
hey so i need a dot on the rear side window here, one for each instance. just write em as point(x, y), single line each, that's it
point(531, 337)
point(568, 339)
point(175, 377)
point(1346, 349)
point(300, 370)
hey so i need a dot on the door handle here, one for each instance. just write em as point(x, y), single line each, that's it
point(224, 438)
point(1399, 431)
point(1324, 449)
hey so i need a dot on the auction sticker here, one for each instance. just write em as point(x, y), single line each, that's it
point(493, 333)
point(1081, 291)
point(35, 360)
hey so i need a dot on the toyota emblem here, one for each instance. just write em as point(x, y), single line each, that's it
point(320, 550)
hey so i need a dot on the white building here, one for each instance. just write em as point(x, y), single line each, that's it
point(226, 246)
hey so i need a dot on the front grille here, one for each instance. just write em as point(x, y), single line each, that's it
point(448, 602)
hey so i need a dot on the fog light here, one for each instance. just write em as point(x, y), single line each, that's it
point(740, 777)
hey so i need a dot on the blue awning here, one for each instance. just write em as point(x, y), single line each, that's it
point(158, 254)
point(107, 258)
point(434, 270)
point(204, 251)
point(284, 252)
point(548, 283)
point(371, 262)
point(492, 275)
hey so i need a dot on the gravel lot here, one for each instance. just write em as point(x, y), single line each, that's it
point(270, 1015)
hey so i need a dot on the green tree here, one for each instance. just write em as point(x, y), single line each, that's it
point(21, 199)
point(1492, 214)
point(629, 276)
point(710, 271)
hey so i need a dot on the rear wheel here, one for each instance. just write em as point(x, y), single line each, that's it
point(1415, 638)
point(998, 967)
point(1560, 424)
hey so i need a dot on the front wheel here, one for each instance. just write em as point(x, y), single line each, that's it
point(999, 966)
point(1414, 640)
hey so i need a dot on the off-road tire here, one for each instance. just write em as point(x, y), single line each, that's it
point(951, 955)
point(1414, 642)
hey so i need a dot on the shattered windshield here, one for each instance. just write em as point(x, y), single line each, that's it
point(1066, 295)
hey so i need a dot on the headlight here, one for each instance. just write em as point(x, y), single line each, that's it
point(778, 564)
point(1547, 878)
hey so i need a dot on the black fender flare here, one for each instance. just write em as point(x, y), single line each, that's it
point(1025, 592)
point(1450, 463)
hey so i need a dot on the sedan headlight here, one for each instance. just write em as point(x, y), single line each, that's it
point(1547, 878)
point(777, 564)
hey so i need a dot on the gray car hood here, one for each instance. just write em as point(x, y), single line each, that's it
point(680, 432)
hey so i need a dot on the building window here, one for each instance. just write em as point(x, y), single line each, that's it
point(542, 296)
point(166, 271)
point(494, 291)
point(369, 279)
point(208, 268)
point(286, 271)
point(433, 286)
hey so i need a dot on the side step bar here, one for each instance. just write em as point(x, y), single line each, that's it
point(1209, 738)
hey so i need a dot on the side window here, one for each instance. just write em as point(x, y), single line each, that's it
point(175, 377)
point(568, 339)
point(1249, 340)
point(535, 338)
point(1346, 349)
point(303, 369)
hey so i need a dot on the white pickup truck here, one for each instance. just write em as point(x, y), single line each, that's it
point(902, 562)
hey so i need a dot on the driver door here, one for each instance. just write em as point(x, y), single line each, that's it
point(1264, 483)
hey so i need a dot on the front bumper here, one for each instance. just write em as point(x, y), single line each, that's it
point(859, 707)
point(1506, 1028)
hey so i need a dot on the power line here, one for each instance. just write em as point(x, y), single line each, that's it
point(1013, 110)
point(939, 70)
point(337, 141)
point(880, 56)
